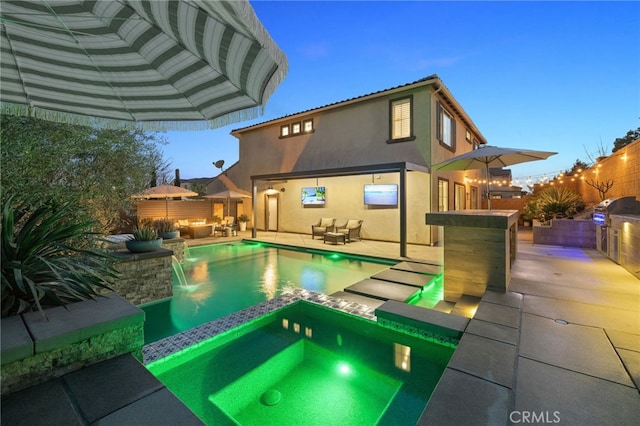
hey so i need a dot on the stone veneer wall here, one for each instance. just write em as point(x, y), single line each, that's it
point(176, 245)
point(35, 349)
point(566, 233)
point(145, 277)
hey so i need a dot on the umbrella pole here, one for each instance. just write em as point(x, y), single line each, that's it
point(488, 186)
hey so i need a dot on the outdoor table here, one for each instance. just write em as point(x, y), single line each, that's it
point(334, 237)
point(200, 231)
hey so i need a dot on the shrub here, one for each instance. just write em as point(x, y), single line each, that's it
point(49, 260)
point(531, 210)
point(243, 218)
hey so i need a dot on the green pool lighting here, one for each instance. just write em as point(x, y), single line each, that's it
point(344, 369)
point(335, 256)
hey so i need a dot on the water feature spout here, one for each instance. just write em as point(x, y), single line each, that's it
point(187, 253)
point(176, 266)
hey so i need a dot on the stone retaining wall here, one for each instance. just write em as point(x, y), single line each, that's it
point(37, 349)
point(566, 233)
point(176, 245)
point(146, 277)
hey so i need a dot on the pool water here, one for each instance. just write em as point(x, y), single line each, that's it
point(226, 278)
point(306, 364)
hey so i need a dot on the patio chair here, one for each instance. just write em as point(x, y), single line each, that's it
point(326, 224)
point(227, 222)
point(182, 225)
point(351, 229)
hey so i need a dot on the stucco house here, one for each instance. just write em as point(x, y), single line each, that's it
point(390, 137)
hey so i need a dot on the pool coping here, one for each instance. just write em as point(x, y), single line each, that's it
point(169, 345)
point(438, 332)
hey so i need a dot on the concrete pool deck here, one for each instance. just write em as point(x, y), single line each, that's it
point(561, 346)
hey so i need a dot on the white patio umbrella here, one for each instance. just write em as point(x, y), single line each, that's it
point(487, 156)
point(166, 192)
point(228, 194)
point(157, 65)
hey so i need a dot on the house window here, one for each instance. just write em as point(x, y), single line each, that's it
point(474, 198)
point(446, 128)
point(401, 127)
point(296, 128)
point(459, 196)
point(284, 131)
point(308, 126)
point(468, 136)
point(443, 195)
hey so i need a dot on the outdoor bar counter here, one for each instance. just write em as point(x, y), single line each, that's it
point(479, 247)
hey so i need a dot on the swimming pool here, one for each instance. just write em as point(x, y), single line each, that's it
point(226, 278)
point(306, 364)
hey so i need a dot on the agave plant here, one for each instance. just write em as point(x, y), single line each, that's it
point(145, 233)
point(557, 202)
point(48, 260)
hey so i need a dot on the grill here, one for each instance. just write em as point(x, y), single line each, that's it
point(606, 237)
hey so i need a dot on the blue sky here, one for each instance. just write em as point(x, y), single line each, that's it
point(552, 76)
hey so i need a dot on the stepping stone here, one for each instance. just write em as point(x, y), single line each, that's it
point(421, 268)
point(466, 306)
point(357, 298)
point(382, 290)
point(444, 306)
point(403, 277)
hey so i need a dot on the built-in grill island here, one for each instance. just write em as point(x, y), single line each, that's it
point(607, 237)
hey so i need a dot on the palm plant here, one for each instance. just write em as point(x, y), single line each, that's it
point(48, 260)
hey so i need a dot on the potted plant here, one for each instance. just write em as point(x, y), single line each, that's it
point(242, 222)
point(145, 239)
point(166, 229)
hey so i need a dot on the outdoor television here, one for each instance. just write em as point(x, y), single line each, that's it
point(381, 195)
point(313, 196)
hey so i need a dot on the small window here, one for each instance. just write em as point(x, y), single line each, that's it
point(308, 126)
point(468, 136)
point(401, 127)
point(284, 131)
point(296, 128)
point(446, 128)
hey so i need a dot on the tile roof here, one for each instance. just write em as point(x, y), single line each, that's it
point(431, 77)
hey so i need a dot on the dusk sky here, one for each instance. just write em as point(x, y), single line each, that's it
point(552, 76)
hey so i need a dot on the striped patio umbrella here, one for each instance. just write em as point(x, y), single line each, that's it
point(156, 65)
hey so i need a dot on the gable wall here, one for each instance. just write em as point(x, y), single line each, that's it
point(351, 135)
